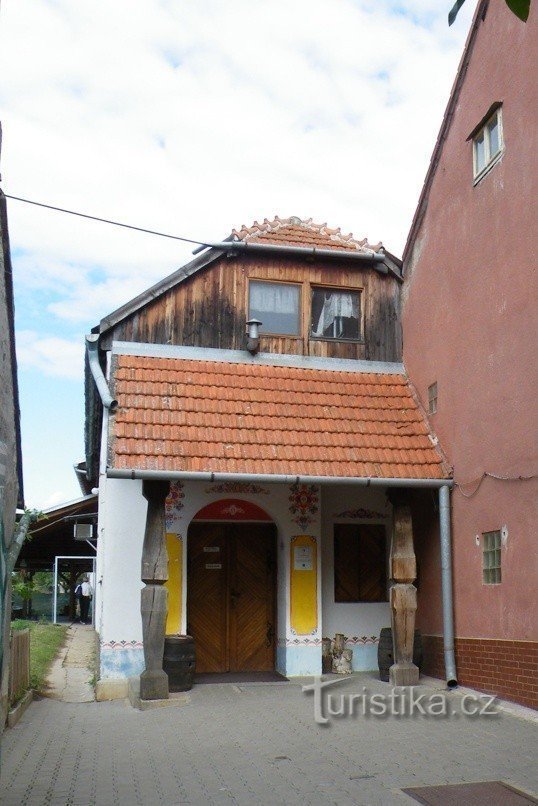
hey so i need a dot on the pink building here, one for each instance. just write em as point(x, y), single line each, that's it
point(469, 325)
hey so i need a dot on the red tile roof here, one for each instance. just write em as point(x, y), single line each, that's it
point(198, 415)
point(298, 232)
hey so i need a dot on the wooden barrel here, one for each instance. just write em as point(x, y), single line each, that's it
point(326, 657)
point(385, 657)
point(179, 661)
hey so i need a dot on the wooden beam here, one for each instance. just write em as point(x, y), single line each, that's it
point(154, 596)
point(403, 598)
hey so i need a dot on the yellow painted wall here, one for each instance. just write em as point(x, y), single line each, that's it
point(303, 585)
point(174, 544)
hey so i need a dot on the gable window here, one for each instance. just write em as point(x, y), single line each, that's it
point(336, 314)
point(491, 557)
point(487, 144)
point(360, 563)
point(432, 398)
point(276, 305)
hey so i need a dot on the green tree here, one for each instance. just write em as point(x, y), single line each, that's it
point(520, 8)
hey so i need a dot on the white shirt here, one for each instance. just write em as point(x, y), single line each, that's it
point(86, 589)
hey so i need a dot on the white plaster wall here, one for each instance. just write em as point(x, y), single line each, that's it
point(122, 514)
point(122, 517)
point(101, 531)
point(355, 620)
point(99, 560)
point(275, 501)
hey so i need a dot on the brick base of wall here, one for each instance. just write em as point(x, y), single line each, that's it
point(508, 669)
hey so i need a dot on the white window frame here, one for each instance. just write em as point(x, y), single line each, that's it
point(490, 159)
point(492, 557)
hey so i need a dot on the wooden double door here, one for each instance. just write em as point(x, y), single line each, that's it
point(231, 576)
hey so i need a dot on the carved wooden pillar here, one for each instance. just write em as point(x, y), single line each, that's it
point(403, 597)
point(154, 596)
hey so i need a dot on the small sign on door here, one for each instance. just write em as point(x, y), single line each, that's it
point(213, 565)
point(302, 558)
point(211, 549)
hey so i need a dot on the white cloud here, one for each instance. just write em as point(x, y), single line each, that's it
point(55, 357)
point(197, 117)
point(194, 118)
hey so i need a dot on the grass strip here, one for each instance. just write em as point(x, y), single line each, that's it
point(45, 641)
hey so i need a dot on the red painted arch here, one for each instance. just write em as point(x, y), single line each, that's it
point(232, 509)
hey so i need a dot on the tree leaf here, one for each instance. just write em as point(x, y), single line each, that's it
point(520, 8)
point(454, 11)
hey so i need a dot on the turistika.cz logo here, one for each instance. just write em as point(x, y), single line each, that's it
point(400, 702)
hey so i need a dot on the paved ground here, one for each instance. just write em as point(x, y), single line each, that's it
point(71, 676)
point(253, 744)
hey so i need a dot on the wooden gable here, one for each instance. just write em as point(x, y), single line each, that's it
point(210, 308)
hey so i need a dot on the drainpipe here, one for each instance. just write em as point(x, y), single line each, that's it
point(446, 581)
point(92, 348)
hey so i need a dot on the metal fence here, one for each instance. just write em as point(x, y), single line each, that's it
point(19, 670)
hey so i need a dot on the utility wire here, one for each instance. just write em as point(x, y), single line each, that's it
point(479, 481)
point(107, 221)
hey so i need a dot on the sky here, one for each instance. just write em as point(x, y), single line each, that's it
point(194, 118)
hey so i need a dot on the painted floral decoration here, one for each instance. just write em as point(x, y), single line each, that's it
point(304, 499)
point(174, 502)
point(360, 513)
point(237, 487)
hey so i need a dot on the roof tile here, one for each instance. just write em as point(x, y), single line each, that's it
point(302, 232)
point(198, 415)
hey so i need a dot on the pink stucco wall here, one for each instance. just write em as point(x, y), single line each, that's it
point(469, 323)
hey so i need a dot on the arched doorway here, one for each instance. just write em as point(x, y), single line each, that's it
point(231, 587)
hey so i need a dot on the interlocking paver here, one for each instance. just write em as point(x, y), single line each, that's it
point(251, 745)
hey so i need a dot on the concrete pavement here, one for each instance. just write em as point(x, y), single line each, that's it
point(71, 675)
point(254, 744)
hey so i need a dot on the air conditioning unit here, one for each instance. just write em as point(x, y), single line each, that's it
point(83, 531)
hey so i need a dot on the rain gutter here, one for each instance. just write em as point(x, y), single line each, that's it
point(267, 478)
point(92, 348)
point(446, 586)
point(306, 251)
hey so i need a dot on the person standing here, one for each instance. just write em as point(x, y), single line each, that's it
point(78, 594)
point(85, 599)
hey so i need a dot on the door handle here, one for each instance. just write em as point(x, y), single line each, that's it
point(234, 596)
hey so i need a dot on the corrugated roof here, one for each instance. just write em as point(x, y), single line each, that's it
point(216, 416)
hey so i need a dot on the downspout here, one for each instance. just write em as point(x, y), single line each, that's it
point(92, 348)
point(446, 582)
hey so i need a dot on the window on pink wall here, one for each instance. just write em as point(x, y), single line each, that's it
point(491, 557)
point(488, 144)
point(432, 398)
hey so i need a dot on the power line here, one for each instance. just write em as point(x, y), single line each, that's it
point(106, 220)
point(484, 475)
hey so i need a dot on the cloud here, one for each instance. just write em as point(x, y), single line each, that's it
point(51, 355)
point(194, 118)
point(200, 117)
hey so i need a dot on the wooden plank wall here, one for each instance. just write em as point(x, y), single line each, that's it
point(19, 672)
point(210, 309)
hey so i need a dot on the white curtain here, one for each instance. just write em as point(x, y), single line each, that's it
point(273, 297)
point(336, 307)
